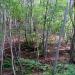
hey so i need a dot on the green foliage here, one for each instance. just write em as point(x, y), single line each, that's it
point(66, 69)
point(55, 12)
point(7, 63)
point(54, 19)
point(15, 7)
point(31, 65)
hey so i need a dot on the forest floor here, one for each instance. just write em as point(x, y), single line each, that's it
point(44, 59)
point(63, 55)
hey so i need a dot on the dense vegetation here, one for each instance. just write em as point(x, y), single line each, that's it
point(37, 37)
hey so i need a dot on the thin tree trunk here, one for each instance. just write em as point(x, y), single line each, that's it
point(19, 44)
point(44, 28)
point(58, 44)
point(13, 66)
point(31, 15)
point(4, 22)
point(46, 43)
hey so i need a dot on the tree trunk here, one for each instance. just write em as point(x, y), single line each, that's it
point(58, 44)
point(11, 47)
point(44, 30)
point(72, 47)
point(4, 22)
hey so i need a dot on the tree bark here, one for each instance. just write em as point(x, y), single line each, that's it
point(11, 47)
point(72, 47)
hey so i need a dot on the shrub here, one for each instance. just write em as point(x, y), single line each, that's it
point(7, 63)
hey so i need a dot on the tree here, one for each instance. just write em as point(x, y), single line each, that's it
point(72, 48)
point(58, 44)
